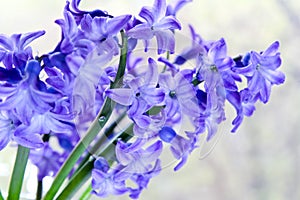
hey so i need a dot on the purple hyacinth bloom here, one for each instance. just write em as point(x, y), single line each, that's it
point(101, 164)
point(29, 96)
point(79, 14)
point(141, 95)
point(47, 161)
point(142, 180)
point(177, 5)
point(209, 120)
point(181, 95)
point(167, 134)
point(14, 50)
point(10, 76)
point(262, 72)
point(107, 181)
point(213, 64)
point(101, 28)
point(157, 24)
point(29, 135)
point(198, 47)
point(180, 147)
point(215, 70)
point(70, 32)
point(243, 103)
point(135, 159)
point(61, 82)
point(6, 128)
point(156, 123)
point(87, 79)
point(67, 141)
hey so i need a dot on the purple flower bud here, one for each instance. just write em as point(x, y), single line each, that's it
point(167, 134)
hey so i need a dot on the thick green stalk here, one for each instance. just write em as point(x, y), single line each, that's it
point(93, 131)
point(18, 173)
point(1, 197)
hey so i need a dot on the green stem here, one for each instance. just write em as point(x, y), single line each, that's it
point(18, 173)
point(75, 155)
point(1, 197)
point(165, 66)
point(39, 191)
point(77, 181)
point(109, 133)
point(122, 62)
point(100, 142)
point(93, 131)
point(84, 173)
point(86, 195)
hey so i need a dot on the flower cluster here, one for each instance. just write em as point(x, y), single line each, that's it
point(77, 89)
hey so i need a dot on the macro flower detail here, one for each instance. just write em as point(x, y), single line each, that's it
point(101, 28)
point(106, 181)
point(138, 160)
point(243, 102)
point(47, 161)
point(14, 50)
point(157, 24)
point(180, 147)
point(181, 95)
point(80, 116)
point(141, 95)
point(6, 128)
point(29, 96)
point(262, 72)
point(177, 5)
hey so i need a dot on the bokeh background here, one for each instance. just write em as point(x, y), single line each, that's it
point(262, 160)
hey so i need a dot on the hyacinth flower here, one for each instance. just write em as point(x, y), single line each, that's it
point(47, 160)
point(129, 114)
point(244, 103)
point(138, 165)
point(157, 24)
point(79, 14)
point(180, 95)
point(214, 69)
point(141, 95)
point(135, 159)
point(262, 72)
point(29, 96)
point(177, 5)
point(198, 47)
point(180, 147)
point(14, 50)
point(106, 181)
point(6, 128)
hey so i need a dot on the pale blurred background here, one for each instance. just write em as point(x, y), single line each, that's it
point(261, 161)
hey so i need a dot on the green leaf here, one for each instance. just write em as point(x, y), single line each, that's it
point(86, 195)
point(1, 197)
point(18, 173)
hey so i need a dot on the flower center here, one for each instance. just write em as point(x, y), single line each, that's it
point(213, 68)
point(257, 66)
point(172, 94)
